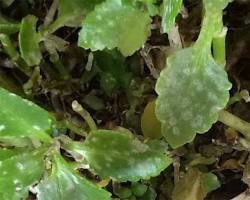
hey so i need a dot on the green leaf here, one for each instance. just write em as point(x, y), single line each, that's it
point(29, 41)
point(115, 23)
point(20, 118)
point(195, 185)
point(193, 87)
point(114, 71)
point(210, 182)
point(70, 13)
point(150, 125)
point(189, 186)
point(18, 173)
point(189, 98)
point(7, 27)
point(6, 153)
point(64, 184)
point(170, 10)
point(120, 156)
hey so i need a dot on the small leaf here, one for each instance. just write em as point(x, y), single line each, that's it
point(195, 185)
point(65, 184)
point(120, 156)
point(29, 41)
point(20, 118)
point(18, 173)
point(150, 125)
point(189, 187)
point(170, 10)
point(210, 182)
point(115, 23)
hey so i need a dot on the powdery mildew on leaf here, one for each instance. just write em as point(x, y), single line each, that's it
point(189, 97)
point(115, 23)
point(121, 156)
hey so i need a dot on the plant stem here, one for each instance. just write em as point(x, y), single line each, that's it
point(219, 47)
point(84, 114)
point(235, 122)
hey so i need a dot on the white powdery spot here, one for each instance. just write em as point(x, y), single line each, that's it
point(18, 189)
point(187, 115)
point(99, 17)
point(15, 181)
point(176, 131)
point(197, 122)
point(186, 102)
point(5, 172)
point(2, 127)
point(172, 121)
point(20, 166)
point(36, 127)
point(139, 146)
point(12, 94)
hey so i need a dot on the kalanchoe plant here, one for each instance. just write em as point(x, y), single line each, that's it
point(36, 158)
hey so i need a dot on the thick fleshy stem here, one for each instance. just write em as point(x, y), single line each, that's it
point(235, 122)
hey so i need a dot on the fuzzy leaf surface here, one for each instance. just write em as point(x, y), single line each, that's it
point(115, 23)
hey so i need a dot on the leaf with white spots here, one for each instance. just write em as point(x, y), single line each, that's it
point(20, 118)
point(120, 156)
point(18, 173)
point(115, 23)
point(65, 184)
point(193, 88)
point(170, 9)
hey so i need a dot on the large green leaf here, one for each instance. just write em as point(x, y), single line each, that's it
point(189, 98)
point(65, 184)
point(29, 41)
point(20, 118)
point(120, 156)
point(18, 173)
point(193, 87)
point(170, 9)
point(115, 23)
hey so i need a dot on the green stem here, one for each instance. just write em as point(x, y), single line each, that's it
point(219, 47)
point(71, 126)
point(13, 54)
point(84, 114)
point(235, 122)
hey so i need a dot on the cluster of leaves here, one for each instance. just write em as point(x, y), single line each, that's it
point(32, 156)
point(192, 89)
